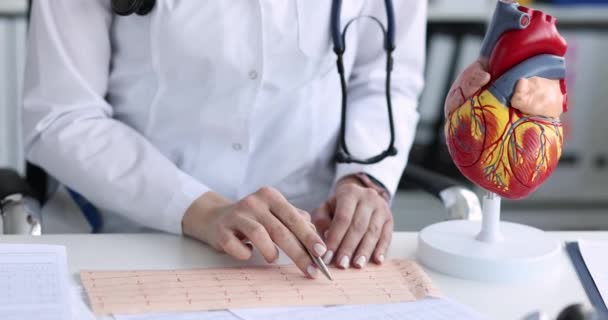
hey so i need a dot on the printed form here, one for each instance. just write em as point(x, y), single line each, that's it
point(34, 282)
point(596, 259)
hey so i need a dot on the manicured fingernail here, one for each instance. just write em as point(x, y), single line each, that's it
point(361, 262)
point(319, 249)
point(328, 256)
point(325, 234)
point(381, 258)
point(312, 271)
point(344, 262)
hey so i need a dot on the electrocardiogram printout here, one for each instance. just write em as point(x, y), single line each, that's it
point(146, 291)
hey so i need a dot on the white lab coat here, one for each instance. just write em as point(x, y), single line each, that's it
point(142, 115)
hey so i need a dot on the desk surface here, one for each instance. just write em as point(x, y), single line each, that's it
point(162, 251)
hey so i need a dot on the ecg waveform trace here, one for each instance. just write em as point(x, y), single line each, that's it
point(144, 291)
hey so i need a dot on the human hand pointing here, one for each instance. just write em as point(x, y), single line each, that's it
point(265, 218)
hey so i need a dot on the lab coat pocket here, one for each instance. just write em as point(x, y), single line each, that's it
point(314, 37)
point(314, 29)
point(314, 24)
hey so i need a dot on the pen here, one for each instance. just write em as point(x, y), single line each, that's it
point(319, 262)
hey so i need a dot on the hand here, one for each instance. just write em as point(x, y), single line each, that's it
point(265, 218)
point(357, 224)
point(535, 96)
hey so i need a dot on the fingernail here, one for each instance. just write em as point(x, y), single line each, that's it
point(312, 271)
point(381, 258)
point(319, 249)
point(344, 262)
point(325, 234)
point(328, 256)
point(361, 262)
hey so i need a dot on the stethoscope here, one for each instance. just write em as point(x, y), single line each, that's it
point(143, 7)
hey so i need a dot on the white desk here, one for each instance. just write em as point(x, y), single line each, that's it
point(161, 251)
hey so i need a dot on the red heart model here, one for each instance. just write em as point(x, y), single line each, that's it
point(494, 145)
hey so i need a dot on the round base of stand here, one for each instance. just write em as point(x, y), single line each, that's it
point(524, 253)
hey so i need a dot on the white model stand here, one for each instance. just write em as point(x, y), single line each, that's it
point(488, 250)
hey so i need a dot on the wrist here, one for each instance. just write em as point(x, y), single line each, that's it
point(350, 179)
point(201, 212)
point(364, 180)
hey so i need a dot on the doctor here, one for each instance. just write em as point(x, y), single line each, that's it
point(219, 120)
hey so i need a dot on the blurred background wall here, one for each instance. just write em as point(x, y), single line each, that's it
point(575, 197)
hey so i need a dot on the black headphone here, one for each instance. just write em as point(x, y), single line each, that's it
point(129, 7)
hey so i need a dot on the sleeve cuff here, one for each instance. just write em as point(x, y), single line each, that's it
point(388, 175)
point(185, 194)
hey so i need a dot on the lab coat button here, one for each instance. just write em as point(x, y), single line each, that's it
point(253, 74)
point(237, 146)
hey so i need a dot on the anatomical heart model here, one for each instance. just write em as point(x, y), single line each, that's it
point(494, 145)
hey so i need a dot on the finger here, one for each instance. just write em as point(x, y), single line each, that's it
point(257, 234)
point(287, 241)
point(305, 215)
point(321, 218)
point(370, 239)
point(355, 233)
point(230, 244)
point(384, 242)
point(342, 216)
point(291, 218)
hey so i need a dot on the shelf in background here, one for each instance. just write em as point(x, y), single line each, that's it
point(481, 12)
point(577, 14)
point(13, 7)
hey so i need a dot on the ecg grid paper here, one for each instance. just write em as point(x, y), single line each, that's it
point(125, 292)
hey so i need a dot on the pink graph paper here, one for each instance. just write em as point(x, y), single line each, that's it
point(141, 291)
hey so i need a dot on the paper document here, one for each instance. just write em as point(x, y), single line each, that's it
point(206, 315)
point(426, 309)
point(33, 282)
point(595, 254)
point(116, 292)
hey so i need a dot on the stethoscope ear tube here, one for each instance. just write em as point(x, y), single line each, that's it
point(338, 37)
point(390, 27)
point(336, 31)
